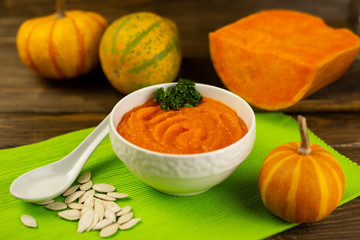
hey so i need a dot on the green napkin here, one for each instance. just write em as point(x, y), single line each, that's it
point(231, 210)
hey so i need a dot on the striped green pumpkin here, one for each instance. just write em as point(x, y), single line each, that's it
point(139, 50)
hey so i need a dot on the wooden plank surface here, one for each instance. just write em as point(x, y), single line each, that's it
point(33, 109)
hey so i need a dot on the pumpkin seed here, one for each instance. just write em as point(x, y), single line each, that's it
point(86, 186)
point(86, 208)
point(116, 208)
point(94, 222)
point(110, 214)
point(45, 202)
point(99, 208)
point(88, 193)
point(95, 211)
point(71, 190)
point(90, 201)
point(29, 221)
point(56, 206)
point(103, 187)
point(104, 197)
point(85, 177)
point(125, 218)
point(72, 197)
point(117, 195)
point(112, 205)
point(75, 205)
point(85, 221)
point(129, 224)
point(123, 211)
point(109, 230)
point(70, 214)
point(108, 204)
point(103, 223)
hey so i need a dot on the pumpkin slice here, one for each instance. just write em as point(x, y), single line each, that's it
point(275, 58)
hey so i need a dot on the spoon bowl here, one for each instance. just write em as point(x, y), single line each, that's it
point(49, 181)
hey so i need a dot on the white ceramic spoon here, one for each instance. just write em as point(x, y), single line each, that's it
point(49, 181)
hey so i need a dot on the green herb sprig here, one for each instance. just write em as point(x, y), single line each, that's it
point(183, 94)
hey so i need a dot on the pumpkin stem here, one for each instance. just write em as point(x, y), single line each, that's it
point(60, 8)
point(304, 147)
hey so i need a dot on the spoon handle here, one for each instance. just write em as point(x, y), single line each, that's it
point(82, 152)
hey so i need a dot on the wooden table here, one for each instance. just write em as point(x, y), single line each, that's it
point(33, 109)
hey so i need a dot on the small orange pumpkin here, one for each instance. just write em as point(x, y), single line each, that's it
point(301, 182)
point(62, 45)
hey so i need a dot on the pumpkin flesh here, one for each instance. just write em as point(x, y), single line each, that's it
point(275, 58)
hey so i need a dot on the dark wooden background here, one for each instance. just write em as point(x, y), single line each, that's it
point(33, 109)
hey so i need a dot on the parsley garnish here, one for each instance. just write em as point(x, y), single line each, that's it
point(183, 94)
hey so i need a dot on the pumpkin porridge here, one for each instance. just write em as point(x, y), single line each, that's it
point(209, 126)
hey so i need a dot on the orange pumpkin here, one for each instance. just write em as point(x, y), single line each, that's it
point(301, 182)
point(275, 58)
point(62, 45)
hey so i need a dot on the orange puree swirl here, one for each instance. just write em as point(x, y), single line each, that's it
point(207, 127)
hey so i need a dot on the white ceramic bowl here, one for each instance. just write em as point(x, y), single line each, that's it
point(182, 174)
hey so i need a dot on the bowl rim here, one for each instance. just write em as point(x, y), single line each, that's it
point(251, 129)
